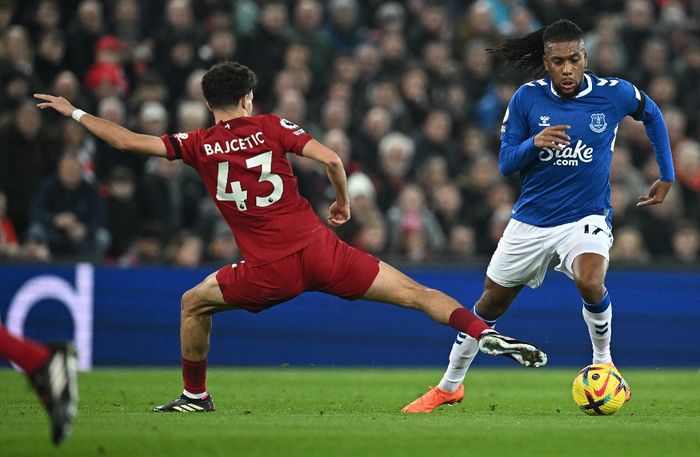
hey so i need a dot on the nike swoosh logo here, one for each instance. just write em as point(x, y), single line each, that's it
point(600, 391)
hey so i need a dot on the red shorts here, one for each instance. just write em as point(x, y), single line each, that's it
point(327, 265)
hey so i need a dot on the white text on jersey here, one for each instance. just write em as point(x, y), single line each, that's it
point(234, 145)
point(569, 155)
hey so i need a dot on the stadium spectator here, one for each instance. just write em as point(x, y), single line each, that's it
point(461, 243)
point(68, 214)
point(221, 46)
point(307, 28)
point(433, 25)
point(26, 158)
point(688, 156)
point(147, 248)
point(16, 88)
point(150, 87)
point(686, 243)
point(629, 249)
point(169, 195)
point(414, 231)
point(637, 26)
point(447, 201)
point(83, 32)
point(375, 125)
point(394, 55)
point(343, 27)
point(191, 115)
point(222, 247)
point(396, 152)
point(128, 25)
point(50, 56)
point(18, 51)
point(7, 12)
point(434, 139)
point(179, 22)
point(272, 29)
point(122, 211)
point(186, 249)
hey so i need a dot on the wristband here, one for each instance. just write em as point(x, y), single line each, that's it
point(77, 114)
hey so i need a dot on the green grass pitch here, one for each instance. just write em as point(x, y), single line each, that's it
point(355, 412)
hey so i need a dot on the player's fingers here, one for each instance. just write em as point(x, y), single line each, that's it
point(559, 134)
point(648, 201)
point(44, 97)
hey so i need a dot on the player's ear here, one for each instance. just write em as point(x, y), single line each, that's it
point(545, 62)
point(585, 59)
point(207, 105)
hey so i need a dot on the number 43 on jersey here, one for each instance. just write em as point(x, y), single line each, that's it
point(238, 194)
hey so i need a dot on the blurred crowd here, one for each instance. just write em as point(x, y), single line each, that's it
point(403, 91)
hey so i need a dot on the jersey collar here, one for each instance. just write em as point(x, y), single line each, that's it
point(587, 87)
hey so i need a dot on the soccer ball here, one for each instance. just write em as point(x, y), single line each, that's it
point(599, 390)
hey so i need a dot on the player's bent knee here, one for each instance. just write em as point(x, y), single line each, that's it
point(591, 287)
point(190, 302)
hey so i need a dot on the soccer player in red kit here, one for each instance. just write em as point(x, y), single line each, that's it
point(52, 372)
point(286, 247)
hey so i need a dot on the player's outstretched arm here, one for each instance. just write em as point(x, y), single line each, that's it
point(340, 208)
point(117, 136)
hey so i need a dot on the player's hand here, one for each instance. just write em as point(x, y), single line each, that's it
point(657, 193)
point(60, 104)
point(338, 214)
point(553, 137)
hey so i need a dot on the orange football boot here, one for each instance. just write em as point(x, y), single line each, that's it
point(434, 398)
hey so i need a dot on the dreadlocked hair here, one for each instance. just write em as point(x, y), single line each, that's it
point(527, 51)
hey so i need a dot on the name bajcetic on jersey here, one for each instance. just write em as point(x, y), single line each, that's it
point(235, 144)
point(568, 156)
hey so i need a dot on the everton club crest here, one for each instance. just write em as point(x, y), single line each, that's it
point(598, 123)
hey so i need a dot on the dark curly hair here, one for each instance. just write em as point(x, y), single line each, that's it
point(527, 51)
point(226, 82)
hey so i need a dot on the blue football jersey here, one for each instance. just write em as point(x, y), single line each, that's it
point(562, 186)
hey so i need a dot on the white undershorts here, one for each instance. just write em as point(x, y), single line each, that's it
point(525, 251)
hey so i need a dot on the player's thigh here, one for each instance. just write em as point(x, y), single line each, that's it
point(257, 288)
point(332, 266)
point(522, 256)
point(590, 235)
point(393, 286)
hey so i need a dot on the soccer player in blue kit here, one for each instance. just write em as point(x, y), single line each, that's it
point(559, 134)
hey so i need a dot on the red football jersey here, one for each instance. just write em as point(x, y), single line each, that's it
point(244, 166)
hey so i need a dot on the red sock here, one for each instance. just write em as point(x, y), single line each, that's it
point(465, 321)
point(195, 376)
point(25, 353)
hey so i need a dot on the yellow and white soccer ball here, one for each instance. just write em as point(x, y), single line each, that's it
point(599, 390)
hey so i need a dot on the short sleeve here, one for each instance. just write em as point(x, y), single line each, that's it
point(182, 145)
point(630, 99)
point(292, 137)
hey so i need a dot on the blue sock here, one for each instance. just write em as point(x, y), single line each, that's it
point(597, 308)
